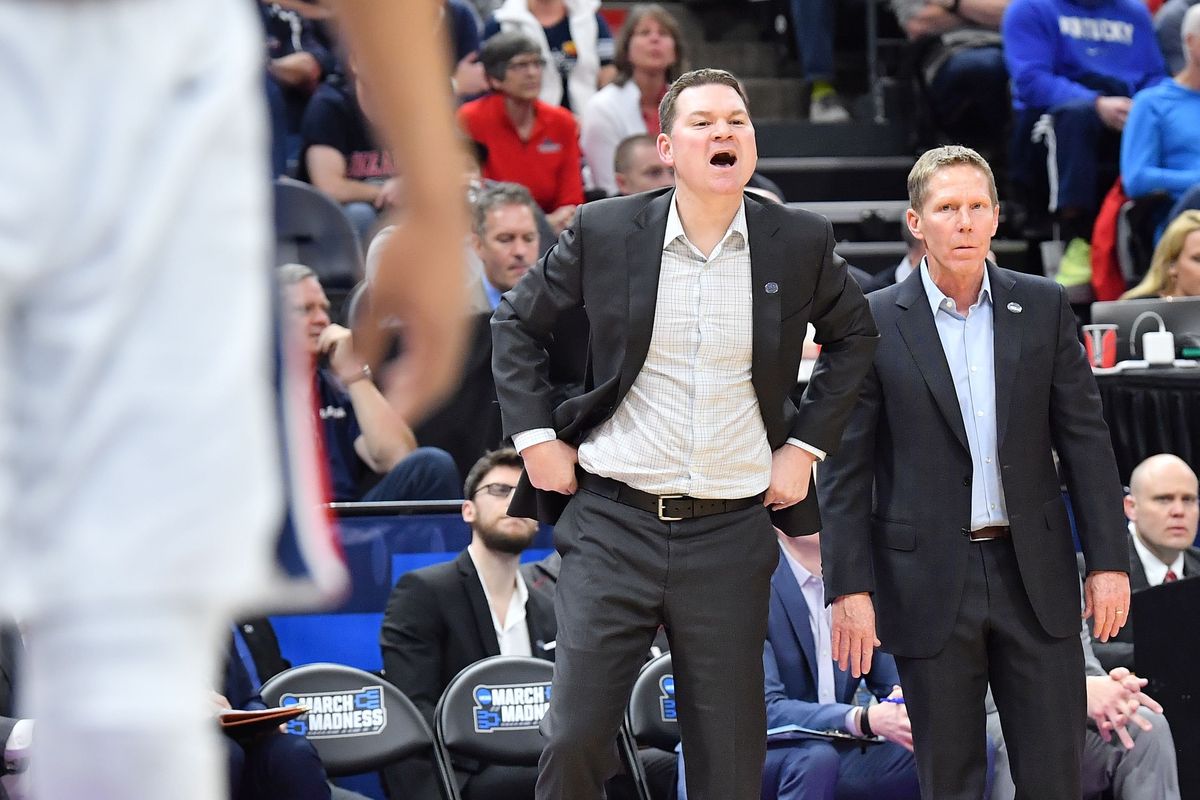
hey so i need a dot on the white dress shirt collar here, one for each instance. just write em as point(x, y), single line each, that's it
point(938, 299)
point(1155, 569)
point(675, 229)
point(513, 635)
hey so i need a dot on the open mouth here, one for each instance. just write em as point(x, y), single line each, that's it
point(724, 158)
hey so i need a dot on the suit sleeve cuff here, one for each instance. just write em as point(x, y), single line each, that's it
point(530, 438)
point(817, 452)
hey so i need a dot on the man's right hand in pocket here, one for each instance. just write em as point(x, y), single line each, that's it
point(551, 466)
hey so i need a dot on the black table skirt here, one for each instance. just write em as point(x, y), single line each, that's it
point(1152, 411)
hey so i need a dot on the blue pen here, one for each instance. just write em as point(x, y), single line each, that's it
point(899, 700)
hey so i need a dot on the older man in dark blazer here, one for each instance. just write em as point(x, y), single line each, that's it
point(943, 504)
point(684, 438)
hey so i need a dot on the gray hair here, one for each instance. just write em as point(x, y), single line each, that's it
point(1190, 26)
point(497, 195)
point(291, 274)
point(950, 155)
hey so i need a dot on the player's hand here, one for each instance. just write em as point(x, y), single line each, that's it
point(551, 466)
point(791, 474)
point(853, 632)
point(1113, 111)
point(219, 703)
point(890, 720)
point(1106, 600)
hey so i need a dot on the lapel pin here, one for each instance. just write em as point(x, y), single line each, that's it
point(772, 287)
point(1014, 308)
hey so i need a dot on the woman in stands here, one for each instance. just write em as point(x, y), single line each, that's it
point(649, 55)
point(1175, 269)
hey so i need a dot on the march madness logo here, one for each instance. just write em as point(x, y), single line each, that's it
point(666, 698)
point(514, 707)
point(331, 715)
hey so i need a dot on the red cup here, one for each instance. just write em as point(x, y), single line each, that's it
point(1100, 341)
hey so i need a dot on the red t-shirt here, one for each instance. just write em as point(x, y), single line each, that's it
point(548, 165)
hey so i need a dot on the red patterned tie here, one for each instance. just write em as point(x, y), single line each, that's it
point(1170, 576)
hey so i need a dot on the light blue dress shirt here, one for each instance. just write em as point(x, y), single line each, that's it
point(968, 342)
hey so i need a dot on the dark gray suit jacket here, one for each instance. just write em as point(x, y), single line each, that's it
point(608, 262)
point(897, 496)
point(1118, 651)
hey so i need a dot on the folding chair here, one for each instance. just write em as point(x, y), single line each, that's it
point(358, 722)
point(650, 719)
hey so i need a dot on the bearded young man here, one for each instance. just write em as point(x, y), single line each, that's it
point(445, 617)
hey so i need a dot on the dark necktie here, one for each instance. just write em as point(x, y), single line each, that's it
point(1170, 576)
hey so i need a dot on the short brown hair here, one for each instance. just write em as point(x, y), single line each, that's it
point(504, 457)
point(697, 77)
point(950, 155)
point(664, 18)
point(497, 195)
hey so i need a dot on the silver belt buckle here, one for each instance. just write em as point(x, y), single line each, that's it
point(661, 514)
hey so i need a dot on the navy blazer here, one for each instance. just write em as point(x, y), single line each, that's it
point(790, 664)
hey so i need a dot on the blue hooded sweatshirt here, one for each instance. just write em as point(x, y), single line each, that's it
point(1051, 46)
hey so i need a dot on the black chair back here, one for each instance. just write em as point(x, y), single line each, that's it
point(650, 716)
point(357, 721)
point(311, 229)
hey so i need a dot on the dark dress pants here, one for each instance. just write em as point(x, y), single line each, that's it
point(1037, 681)
point(624, 572)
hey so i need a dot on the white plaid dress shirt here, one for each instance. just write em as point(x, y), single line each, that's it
point(690, 423)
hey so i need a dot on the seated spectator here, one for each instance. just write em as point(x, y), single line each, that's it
point(1160, 148)
point(573, 39)
point(1128, 750)
point(812, 26)
point(1078, 64)
point(1175, 267)
point(1168, 25)
point(650, 55)
point(297, 60)
point(637, 167)
point(1163, 517)
point(16, 735)
point(805, 687)
point(505, 239)
point(527, 141)
point(340, 155)
point(445, 617)
point(363, 437)
point(962, 70)
point(269, 765)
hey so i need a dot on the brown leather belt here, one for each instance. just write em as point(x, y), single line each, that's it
point(667, 507)
point(989, 533)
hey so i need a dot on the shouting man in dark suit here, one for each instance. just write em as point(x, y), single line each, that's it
point(683, 440)
point(445, 617)
point(944, 502)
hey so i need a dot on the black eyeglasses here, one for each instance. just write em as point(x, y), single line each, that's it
point(497, 489)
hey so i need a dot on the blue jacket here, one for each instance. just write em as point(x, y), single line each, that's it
point(790, 666)
point(1053, 47)
point(1160, 146)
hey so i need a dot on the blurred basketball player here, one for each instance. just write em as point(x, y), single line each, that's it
point(139, 469)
